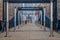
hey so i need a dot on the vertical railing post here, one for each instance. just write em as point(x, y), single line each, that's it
point(18, 19)
point(15, 19)
point(44, 19)
point(51, 26)
point(7, 21)
point(41, 18)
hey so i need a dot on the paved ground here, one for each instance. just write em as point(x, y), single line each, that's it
point(29, 32)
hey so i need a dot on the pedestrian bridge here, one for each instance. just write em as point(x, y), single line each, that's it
point(29, 31)
point(16, 29)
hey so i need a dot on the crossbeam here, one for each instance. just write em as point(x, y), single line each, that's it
point(28, 1)
point(30, 8)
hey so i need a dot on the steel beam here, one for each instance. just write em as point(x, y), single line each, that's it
point(18, 19)
point(28, 1)
point(41, 18)
point(15, 19)
point(51, 25)
point(44, 19)
point(7, 21)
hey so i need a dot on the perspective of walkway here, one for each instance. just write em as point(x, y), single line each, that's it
point(29, 31)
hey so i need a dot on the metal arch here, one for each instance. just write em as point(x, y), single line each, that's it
point(34, 8)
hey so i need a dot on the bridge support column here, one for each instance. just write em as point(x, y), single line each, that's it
point(15, 19)
point(7, 21)
point(18, 19)
point(41, 18)
point(51, 25)
point(44, 19)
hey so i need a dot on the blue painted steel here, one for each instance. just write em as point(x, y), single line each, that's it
point(11, 22)
point(30, 8)
point(47, 20)
point(37, 1)
point(17, 17)
point(55, 23)
point(28, 1)
point(59, 25)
